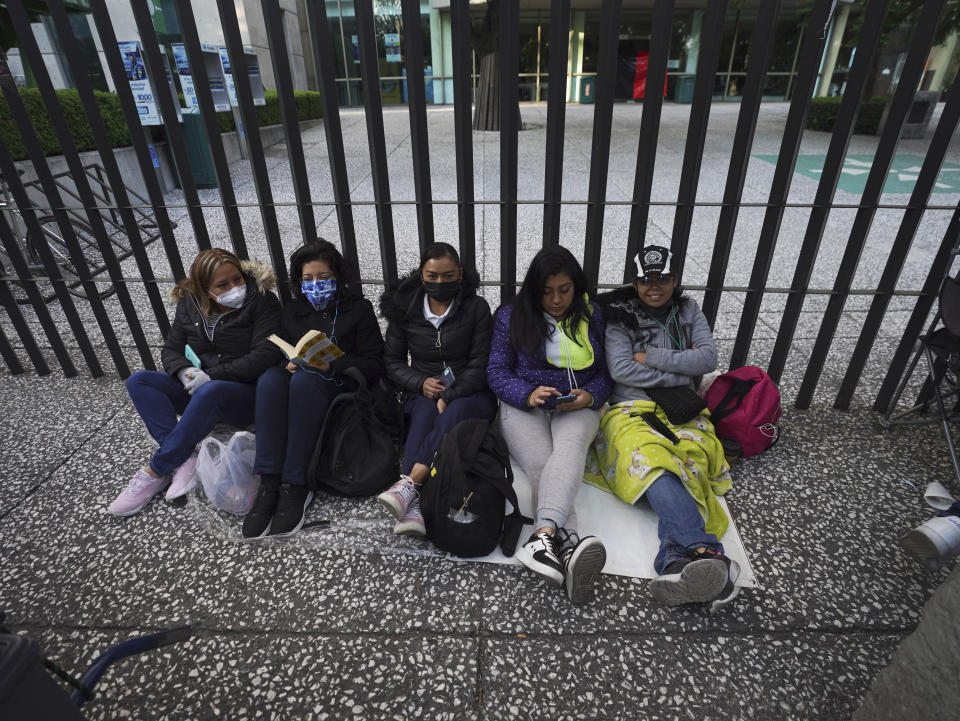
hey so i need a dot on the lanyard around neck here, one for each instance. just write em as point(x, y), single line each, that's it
point(678, 341)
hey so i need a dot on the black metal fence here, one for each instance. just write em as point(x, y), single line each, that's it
point(20, 271)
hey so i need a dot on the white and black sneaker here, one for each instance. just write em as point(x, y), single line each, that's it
point(583, 560)
point(540, 555)
point(707, 576)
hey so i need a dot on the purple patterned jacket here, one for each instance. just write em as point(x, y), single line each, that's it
point(514, 375)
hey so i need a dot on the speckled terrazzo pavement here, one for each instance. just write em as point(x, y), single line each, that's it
point(352, 622)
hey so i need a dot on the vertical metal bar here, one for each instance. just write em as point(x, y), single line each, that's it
point(417, 107)
point(28, 46)
point(929, 171)
point(761, 45)
point(9, 171)
point(326, 82)
point(941, 263)
point(112, 170)
point(198, 70)
point(867, 43)
point(128, 105)
point(509, 57)
point(899, 107)
point(600, 147)
point(650, 131)
point(463, 129)
point(696, 129)
point(16, 316)
point(370, 73)
point(168, 112)
point(782, 178)
point(273, 18)
point(556, 120)
point(6, 350)
point(258, 164)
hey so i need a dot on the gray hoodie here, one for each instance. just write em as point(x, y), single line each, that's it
point(630, 329)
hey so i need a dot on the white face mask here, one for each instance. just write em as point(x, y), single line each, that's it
point(233, 298)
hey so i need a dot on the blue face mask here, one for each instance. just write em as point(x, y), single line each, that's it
point(319, 292)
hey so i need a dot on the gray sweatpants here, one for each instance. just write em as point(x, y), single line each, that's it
point(551, 448)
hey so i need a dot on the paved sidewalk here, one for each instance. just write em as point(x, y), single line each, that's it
point(350, 623)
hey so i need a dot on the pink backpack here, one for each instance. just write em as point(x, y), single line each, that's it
point(745, 406)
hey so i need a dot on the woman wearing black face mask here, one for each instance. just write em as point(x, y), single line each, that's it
point(436, 318)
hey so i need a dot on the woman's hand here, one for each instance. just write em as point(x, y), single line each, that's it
point(540, 396)
point(432, 388)
point(441, 405)
point(640, 357)
point(292, 367)
point(583, 400)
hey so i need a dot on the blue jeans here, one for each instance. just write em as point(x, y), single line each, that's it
point(291, 408)
point(427, 426)
point(681, 525)
point(160, 398)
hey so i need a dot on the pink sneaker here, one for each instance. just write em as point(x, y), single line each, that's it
point(138, 493)
point(412, 522)
point(184, 478)
point(398, 497)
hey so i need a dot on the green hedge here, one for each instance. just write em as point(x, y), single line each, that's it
point(308, 108)
point(823, 114)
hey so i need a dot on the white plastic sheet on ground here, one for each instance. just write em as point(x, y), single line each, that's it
point(629, 532)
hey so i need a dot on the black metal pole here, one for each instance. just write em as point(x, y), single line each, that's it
point(417, 107)
point(509, 57)
point(556, 117)
point(463, 129)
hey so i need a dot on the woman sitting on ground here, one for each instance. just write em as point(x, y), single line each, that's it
point(547, 367)
point(436, 318)
point(292, 401)
point(225, 311)
point(657, 342)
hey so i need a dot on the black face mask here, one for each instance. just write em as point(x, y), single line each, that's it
point(442, 292)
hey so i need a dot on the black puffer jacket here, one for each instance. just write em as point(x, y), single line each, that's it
point(462, 341)
point(240, 350)
point(355, 330)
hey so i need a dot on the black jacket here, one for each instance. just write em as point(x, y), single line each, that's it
point(462, 341)
point(356, 332)
point(240, 350)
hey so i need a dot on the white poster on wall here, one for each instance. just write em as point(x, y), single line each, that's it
point(392, 43)
point(183, 70)
point(139, 83)
point(228, 77)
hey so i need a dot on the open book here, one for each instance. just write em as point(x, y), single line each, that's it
point(313, 349)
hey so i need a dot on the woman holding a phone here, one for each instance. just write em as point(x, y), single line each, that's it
point(438, 338)
point(548, 369)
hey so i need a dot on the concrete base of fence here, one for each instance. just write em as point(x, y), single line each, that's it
point(130, 168)
point(921, 680)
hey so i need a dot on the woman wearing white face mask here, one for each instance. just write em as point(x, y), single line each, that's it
point(225, 312)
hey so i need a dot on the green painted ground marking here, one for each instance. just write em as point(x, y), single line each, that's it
point(901, 178)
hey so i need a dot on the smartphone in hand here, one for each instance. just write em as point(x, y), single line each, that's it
point(567, 398)
point(447, 377)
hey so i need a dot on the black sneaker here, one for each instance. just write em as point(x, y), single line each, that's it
point(583, 560)
point(540, 555)
point(291, 508)
point(256, 523)
point(707, 576)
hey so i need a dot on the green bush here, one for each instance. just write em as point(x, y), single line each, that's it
point(823, 115)
point(71, 109)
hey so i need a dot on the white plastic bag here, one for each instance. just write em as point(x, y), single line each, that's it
point(226, 472)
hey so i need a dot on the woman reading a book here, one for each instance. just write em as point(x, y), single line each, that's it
point(548, 369)
point(216, 349)
point(438, 337)
point(339, 330)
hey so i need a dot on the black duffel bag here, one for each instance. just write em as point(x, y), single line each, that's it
point(355, 454)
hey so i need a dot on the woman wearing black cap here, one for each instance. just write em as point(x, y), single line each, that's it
point(656, 441)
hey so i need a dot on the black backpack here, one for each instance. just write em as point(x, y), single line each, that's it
point(355, 454)
point(463, 499)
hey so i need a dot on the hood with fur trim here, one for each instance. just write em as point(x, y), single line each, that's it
point(622, 306)
point(400, 294)
point(261, 274)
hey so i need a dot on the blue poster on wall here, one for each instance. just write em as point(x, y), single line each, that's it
point(139, 83)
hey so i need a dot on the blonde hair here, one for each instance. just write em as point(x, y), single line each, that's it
point(197, 284)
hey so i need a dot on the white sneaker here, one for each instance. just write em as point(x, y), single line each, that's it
point(934, 541)
point(583, 560)
point(539, 554)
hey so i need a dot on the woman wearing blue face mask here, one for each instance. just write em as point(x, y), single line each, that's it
point(216, 349)
point(292, 402)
